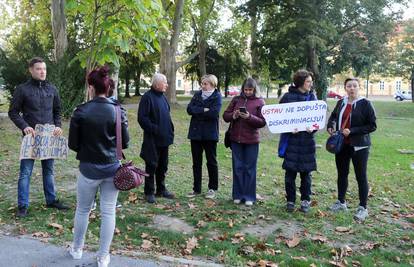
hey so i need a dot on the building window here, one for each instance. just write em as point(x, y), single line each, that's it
point(398, 85)
point(381, 85)
point(179, 83)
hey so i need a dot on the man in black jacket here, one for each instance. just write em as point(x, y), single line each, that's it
point(154, 118)
point(36, 102)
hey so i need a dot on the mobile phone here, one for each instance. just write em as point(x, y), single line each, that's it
point(242, 109)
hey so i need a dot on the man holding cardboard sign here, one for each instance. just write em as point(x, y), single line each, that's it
point(36, 102)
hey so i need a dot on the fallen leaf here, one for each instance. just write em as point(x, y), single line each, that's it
point(247, 250)
point(337, 263)
point(201, 224)
point(192, 206)
point(342, 229)
point(319, 238)
point(146, 244)
point(293, 242)
point(356, 263)
point(144, 235)
point(210, 203)
point(231, 223)
point(41, 234)
point(191, 244)
point(132, 197)
point(56, 226)
point(117, 231)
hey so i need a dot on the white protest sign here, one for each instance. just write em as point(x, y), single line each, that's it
point(285, 118)
point(44, 145)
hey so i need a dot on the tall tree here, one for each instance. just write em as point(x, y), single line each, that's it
point(59, 28)
point(173, 13)
point(109, 28)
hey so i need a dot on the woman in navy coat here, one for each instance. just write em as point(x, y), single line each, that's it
point(204, 109)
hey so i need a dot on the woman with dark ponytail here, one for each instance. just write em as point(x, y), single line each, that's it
point(92, 135)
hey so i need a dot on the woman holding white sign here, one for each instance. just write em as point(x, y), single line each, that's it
point(298, 148)
point(92, 135)
point(244, 113)
point(355, 117)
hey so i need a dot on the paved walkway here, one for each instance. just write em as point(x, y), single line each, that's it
point(23, 251)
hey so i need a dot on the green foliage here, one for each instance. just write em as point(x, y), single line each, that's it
point(107, 28)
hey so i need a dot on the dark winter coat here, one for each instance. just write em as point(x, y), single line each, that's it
point(300, 152)
point(38, 102)
point(154, 118)
point(204, 125)
point(363, 121)
point(245, 131)
point(92, 132)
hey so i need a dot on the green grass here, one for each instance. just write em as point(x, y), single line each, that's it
point(390, 177)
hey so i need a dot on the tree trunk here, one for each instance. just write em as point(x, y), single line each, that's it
point(115, 77)
point(127, 74)
point(138, 82)
point(253, 40)
point(202, 50)
point(168, 63)
point(412, 85)
point(59, 28)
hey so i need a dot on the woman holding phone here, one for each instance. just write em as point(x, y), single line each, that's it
point(244, 114)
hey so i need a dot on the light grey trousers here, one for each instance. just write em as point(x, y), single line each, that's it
point(86, 191)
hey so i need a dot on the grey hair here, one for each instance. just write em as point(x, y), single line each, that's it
point(158, 77)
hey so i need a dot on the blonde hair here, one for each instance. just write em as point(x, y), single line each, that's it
point(211, 79)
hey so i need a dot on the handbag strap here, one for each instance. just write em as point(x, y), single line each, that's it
point(119, 154)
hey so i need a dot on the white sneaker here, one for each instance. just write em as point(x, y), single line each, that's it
point(93, 206)
point(236, 201)
point(338, 206)
point(249, 203)
point(103, 261)
point(211, 194)
point(75, 253)
point(361, 214)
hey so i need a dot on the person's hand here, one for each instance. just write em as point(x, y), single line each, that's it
point(57, 131)
point(330, 131)
point(295, 131)
point(29, 130)
point(244, 115)
point(206, 109)
point(236, 114)
point(309, 129)
point(346, 132)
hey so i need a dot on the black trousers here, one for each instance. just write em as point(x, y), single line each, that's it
point(360, 161)
point(305, 185)
point(210, 148)
point(158, 171)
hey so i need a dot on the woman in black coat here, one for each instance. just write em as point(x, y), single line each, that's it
point(204, 109)
point(355, 117)
point(299, 155)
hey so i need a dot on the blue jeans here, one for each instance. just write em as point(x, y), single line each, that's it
point(23, 188)
point(244, 160)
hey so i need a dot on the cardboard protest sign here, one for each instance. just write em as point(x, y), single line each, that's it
point(285, 118)
point(44, 145)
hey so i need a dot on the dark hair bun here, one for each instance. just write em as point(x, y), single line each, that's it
point(103, 71)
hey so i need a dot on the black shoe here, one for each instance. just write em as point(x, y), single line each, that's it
point(57, 205)
point(290, 207)
point(21, 212)
point(150, 199)
point(166, 194)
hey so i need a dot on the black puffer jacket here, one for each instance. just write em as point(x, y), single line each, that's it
point(300, 152)
point(39, 103)
point(363, 120)
point(92, 132)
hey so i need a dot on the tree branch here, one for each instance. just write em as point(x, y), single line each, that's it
point(187, 60)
